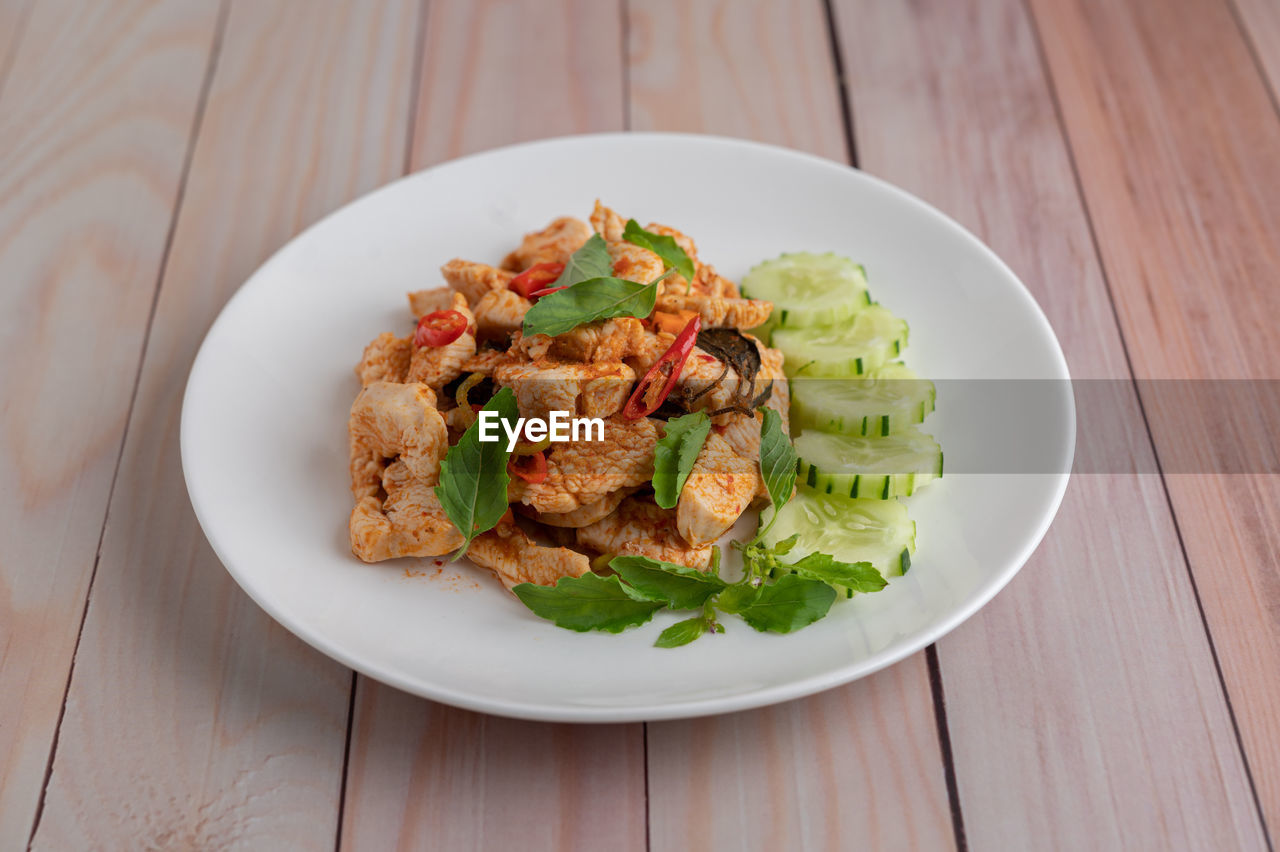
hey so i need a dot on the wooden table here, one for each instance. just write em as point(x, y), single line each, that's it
point(1122, 155)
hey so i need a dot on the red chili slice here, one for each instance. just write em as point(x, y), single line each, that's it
point(539, 467)
point(538, 294)
point(535, 278)
point(666, 370)
point(439, 328)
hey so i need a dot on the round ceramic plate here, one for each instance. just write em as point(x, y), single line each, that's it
point(264, 425)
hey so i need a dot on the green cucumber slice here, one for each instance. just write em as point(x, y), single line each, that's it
point(869, 467)
point(875, 531)
point(809, 289)
point(874, 336)
point(886, 400)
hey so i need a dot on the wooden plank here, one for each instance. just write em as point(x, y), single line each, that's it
point(193, 720)
point(859, 765)
point(14, 15)
point(95, 117)
point(424, 775)
point(1260, 20)
point(1083, 702)
point(1189, 234)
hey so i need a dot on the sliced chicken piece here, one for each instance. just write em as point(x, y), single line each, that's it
point(516, 558)
point(606, 223)
point(587, 390)
point(582, 472)
point(439, 365)
point(683, 241)
point(388, 420)
point(500, 313)
point(553, 244)
point(485, 361)
point(423, 302)
point(473, 280)
point(410, 522)
point(719, 489)
point(716, 311)
point(602, 340)
point(386, 359)
point(771, 370)
point(583, 515)
point(635, 264)
point(642, 528)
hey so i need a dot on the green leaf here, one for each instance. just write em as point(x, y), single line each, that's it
point(778, 462)
point(473, 475)
point(784, 547)
point(589, 300)
point(674, 455)
point(859, 576)
point(665, 247)
point(737, 597)
point(589, 602)
point(789, 604)
point(682, 632)
point(590, 261)
point(678, 586)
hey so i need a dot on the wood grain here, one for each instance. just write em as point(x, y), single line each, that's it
point(14, 15)
point(193, 720)
point(1065, 694)
point(860, 764)
point(94, 121)
point(1260, 20)
point(424, 775)
point(1189, 235)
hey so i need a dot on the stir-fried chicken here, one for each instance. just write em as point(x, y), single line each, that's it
point(516, 558)
point(582, 472)
point(640, 527)
point(420, 391)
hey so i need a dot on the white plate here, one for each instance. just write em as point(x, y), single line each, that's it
point(265, 414)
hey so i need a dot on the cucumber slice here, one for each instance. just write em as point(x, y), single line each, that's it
point(874, 336)
point(809, 289)
point(886, 400)
point(877, 467)
point(875, 531)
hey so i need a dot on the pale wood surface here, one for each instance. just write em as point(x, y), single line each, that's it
point(95, 118)
point(765, 779)
point(1189, 234)
point(423, 775)
point(193, 720)
point(1115, 153)
point(1064, 697)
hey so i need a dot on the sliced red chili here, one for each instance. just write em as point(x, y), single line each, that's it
point(535, 278)
point(538, 294)
point(439, 328)
point(663, 375)
point(531, 468)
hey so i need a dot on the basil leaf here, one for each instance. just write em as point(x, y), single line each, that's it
point(665, 247)
point(777, 461)
point(784, 547)
point(589, 602)
point(592, 299)
point(590, 261)
point(789, 604)
point(677, 586)
point(674, 455)
point(737, 597)
point(681, 633)
point(473, 475)
point(859, 576)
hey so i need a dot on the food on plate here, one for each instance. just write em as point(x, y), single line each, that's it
point(590, 417)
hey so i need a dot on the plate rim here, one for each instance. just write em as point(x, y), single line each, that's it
point(548, 712)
